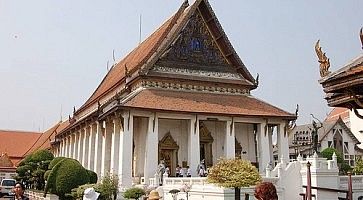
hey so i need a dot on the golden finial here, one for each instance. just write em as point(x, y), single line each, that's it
point(323, 60)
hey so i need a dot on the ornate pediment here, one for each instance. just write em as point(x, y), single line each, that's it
point(168, 142)
point(5, 161)
point(195, 52)
point(204, 134)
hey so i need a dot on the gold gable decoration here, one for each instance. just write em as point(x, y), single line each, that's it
point(5, 161)
point(204, 133)
point(168, 142)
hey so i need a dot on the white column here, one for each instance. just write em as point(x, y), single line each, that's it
point(98, 148)
point(283, 143)
point(85, 147)
point(106, 148)
point(79, 145)
point(91, 147)
point(263, 147)
point(126, 144)
point(193, 146)
point(66, 146)
point(115, 146)
point(151, 148)
point(75, 148)
point(61, 147)
point(70, 146)
point(229, 143)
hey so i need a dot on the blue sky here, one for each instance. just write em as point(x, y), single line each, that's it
point(53, 54)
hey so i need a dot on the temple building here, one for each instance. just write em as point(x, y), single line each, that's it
point(344, 89)
point(14, 146)
point(182, 95)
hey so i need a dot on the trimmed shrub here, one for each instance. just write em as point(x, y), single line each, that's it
point(343, 166)
point(66, 175)
point(54, 162)
point(133, 193)
point(233, 173)
point(92, 176)
point(46, 174)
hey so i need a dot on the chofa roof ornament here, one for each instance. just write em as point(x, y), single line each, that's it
point(361, 36)
point(323, 60)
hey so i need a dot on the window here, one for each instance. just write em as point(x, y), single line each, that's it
point(329, 143)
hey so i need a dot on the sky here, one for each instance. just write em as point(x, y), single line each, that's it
point(53, 54)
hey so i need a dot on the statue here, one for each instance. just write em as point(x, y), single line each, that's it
point(314, 135)
point(323, 60)
point(160, 171)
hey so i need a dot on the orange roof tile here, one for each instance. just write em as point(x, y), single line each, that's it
point(135, 59)
point(17, 143)
point(193, 102)
point(336, 113)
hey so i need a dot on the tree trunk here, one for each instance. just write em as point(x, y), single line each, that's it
point(237, 193)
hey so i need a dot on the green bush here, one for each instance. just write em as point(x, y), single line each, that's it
point(46, 174)
point(233, 173)
point(108, 187)
point(54, 162)
point(41, 155)
point(92, 176)
point(66, 175)
point(358, 169)
point(343, 166)
point(133, 193)
point(77, 193)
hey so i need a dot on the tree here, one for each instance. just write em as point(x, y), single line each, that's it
point(234, 173)
point(358, 169)
point(343, 166)
point(134, 193)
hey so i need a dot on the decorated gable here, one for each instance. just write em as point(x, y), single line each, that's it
point(195, 52)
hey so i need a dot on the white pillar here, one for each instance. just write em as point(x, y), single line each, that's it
point(80, 146)
point(115, 146)
point(283, 143)
point(85, 147)
point(91, 147)
point(193, 146)
point(70, 153)
point(263, 147)
point(229, 142)
point(61, 146)
point(75, 148)
point(126, 145)
point(98, 148)
point(66, 147)
point(106, 148)
point(151, 149)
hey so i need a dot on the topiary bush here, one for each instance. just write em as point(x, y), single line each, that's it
point(92, 176)
point(54, 162)
point(66, 175)
point(133, 193)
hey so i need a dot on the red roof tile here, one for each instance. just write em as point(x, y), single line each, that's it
point(336, 113)
point(193, 102)
point(17, 143)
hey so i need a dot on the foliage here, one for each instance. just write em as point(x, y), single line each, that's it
point(343, 166)
point(54, 162)
point(108, 187)
point(46, 174)
point(31, 170)
point(41, 155)
point(233, 173)
point(358, 169)
point(66, 175)
point(77, 193)
point(92, 176)
point(133, 193)
point(328, 153)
